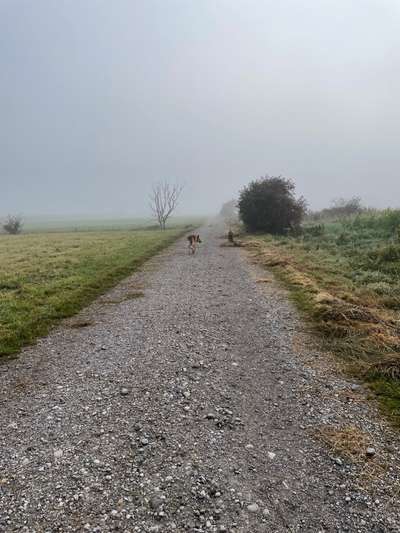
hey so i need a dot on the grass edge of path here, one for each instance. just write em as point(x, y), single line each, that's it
point(382, 386)
point(85, 296)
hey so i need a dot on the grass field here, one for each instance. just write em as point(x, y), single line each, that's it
point(48, 223)
point(345, 276)
point(82, 223)
point(48, 276)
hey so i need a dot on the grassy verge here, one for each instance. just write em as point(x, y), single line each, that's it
point(344, 277)
point(50, 276)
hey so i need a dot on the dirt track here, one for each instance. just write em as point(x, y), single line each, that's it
point(196, 407)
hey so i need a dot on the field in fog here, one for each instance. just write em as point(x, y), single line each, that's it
point(54, 223)
point(345, 275)
point(48, 276)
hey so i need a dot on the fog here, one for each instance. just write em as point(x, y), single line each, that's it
point(99, 99)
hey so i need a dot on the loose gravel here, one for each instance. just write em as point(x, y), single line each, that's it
point(195, 407)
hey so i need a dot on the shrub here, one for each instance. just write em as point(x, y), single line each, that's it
point(314, 231)
point(13, 224)
point(388, 253)
point(268, 204)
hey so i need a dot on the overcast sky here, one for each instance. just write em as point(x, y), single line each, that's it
point(101, 98)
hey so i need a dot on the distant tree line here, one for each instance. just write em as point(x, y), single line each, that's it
point(340, 208)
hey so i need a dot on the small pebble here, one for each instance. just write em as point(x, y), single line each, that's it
point(252, 508)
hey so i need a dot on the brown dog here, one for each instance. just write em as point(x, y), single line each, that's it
point(193, 241)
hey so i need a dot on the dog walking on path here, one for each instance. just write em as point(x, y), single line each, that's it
point(193, 241)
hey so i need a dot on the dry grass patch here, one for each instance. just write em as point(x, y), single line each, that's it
point(83, 323)
point(349, 442)
point(339, 311)
point(323, 297)
point(133, 295)
point(388, 367)
point(352, 396)
point(123, 298)
point(134, 286)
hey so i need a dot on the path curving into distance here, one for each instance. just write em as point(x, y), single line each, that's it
point(196, 407)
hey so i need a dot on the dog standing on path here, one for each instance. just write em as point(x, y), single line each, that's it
point(193, 241)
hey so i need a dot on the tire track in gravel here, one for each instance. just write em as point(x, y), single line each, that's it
point(190, 409)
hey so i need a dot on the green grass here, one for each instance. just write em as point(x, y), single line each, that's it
point(48, 223)
point(33, 224)
point(49, 276)
point(345, 277)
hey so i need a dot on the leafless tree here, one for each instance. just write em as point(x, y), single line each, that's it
point(163, 201)
point(13, 224)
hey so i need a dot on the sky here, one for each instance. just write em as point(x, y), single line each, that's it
point(100, 99)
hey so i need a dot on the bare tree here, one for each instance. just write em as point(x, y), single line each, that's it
point(13, 224)
point(163, 201)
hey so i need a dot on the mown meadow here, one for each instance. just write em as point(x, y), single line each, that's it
point(65, 224)
point(345, 275)
point(45, 277)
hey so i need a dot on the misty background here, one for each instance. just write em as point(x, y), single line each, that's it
point(100, 99)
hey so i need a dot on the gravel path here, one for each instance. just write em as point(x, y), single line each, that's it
point(195, 407)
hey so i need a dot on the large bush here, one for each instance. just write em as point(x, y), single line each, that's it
point(269, 204)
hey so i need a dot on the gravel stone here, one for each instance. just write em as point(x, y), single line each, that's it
point(253, 508)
